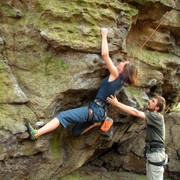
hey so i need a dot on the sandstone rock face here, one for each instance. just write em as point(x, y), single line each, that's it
point(50, 61)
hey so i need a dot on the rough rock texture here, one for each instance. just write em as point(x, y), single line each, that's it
point(50, 61)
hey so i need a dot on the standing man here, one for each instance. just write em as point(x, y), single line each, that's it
point(155, 135)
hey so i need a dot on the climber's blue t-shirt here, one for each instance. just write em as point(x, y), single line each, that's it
point(109, 88)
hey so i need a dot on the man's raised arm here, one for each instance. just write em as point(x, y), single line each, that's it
point(127, 109)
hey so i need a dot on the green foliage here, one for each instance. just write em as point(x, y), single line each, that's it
point(176, 107)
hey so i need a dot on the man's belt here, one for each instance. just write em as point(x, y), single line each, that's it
point(162, 163)
point(155, 144)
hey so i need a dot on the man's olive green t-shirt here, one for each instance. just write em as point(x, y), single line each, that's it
point(155, 127)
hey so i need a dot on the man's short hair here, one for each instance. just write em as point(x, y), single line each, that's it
point(161, 103)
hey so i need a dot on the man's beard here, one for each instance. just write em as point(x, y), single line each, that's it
point(149, 109)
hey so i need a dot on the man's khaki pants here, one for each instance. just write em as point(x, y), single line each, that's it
point(155, 172)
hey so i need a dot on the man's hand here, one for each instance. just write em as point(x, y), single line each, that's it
point(113, 100)
point(104, 32)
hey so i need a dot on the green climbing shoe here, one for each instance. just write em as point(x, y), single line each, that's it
point(31, 131)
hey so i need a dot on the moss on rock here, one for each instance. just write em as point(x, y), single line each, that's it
point(153, 58)
point(63, 23)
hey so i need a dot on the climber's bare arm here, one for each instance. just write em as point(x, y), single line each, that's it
point(105, 54)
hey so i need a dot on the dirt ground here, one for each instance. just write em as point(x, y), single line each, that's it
point(95, 173)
